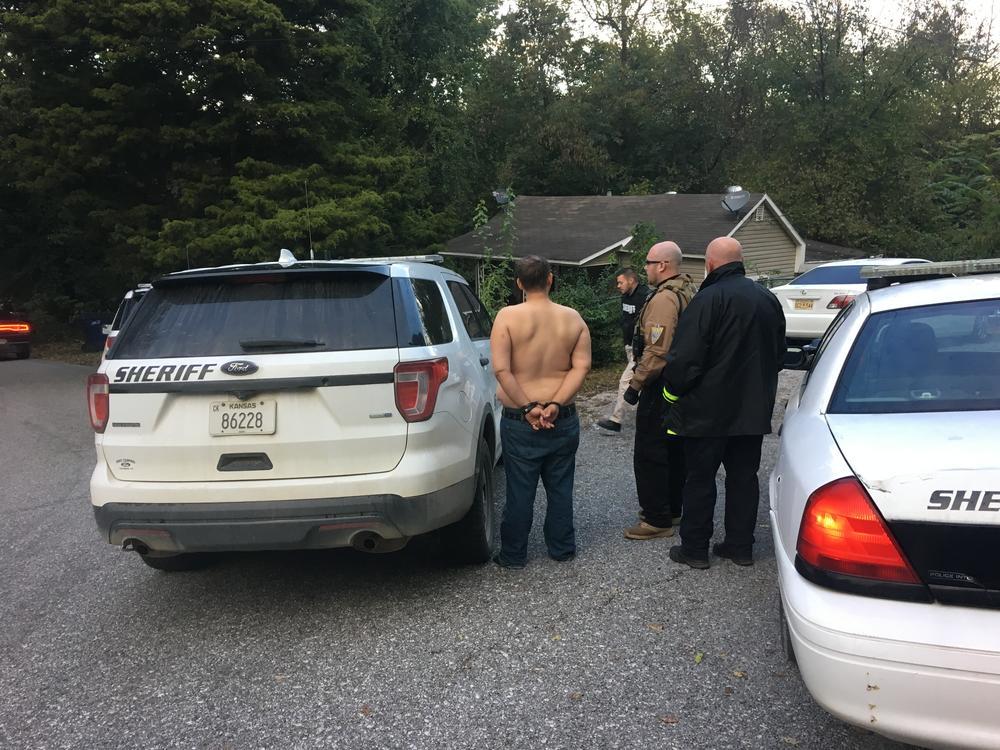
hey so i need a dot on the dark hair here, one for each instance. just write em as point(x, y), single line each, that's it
point(533, 273)
point(628, 273)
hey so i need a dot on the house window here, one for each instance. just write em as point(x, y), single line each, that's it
point(759, 214)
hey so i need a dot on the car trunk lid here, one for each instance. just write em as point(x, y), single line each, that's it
point(935, 478)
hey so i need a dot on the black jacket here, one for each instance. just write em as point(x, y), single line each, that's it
point(631, 305)
point(726, 355)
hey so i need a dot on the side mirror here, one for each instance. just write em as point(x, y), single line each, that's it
point(800, 357)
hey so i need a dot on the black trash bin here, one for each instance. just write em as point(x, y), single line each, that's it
point(93, 331)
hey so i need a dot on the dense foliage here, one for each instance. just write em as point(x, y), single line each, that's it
point(141, 136)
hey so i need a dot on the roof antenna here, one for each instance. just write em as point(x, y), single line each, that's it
point(312, 256)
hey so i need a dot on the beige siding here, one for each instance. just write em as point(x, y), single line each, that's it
point(767, 247)
point(695, 267)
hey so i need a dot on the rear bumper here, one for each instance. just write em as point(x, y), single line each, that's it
point(927, 674)
point(322, 523)
point(13, 342)
point(809, 326)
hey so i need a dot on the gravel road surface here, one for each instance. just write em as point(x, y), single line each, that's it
point(618, 649)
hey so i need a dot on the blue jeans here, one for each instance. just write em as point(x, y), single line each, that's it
point(530, 455)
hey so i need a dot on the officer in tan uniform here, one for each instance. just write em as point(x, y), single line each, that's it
point(658, 458)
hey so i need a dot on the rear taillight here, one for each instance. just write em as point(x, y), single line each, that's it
point(97, 400)
point(417, 385)
point(108, 342)
point(840, 301)
point(15, 328)
point(843, 533)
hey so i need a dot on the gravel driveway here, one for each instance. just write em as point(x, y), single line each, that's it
point(619, 648)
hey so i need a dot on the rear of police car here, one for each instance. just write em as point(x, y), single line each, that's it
point(886, 514)
point(262, 407)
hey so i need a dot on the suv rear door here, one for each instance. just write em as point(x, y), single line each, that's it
point(221, 375)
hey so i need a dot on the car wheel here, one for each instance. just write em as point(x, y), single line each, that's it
point(784, 635)
point(471, 539)
point(23, 352)
point(176, 563)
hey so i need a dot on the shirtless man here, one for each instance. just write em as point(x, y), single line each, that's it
point(541, 354)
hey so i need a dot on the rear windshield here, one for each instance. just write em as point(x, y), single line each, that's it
point(830, 275)
point(334, 312)
point(924, 359)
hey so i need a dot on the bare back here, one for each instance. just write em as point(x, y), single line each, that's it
point(545, 347)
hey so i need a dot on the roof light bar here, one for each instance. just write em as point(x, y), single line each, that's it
point(952, 267)
point(880, 277)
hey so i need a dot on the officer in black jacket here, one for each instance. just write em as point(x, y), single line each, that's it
point(634, 294)
point(721, 379)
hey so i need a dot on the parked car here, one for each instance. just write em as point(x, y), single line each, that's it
point(811, 301)
point(15, 333)
point(885, 510)
point(128, 305)
point(298, 405)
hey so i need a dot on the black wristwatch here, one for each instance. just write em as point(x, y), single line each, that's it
point(528, 407)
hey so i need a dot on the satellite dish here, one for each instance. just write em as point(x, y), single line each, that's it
point(735, 198)
point(286, 259)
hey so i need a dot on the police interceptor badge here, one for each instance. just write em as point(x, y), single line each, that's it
point(654, 334)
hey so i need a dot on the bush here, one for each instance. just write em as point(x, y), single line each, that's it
point(588, 292)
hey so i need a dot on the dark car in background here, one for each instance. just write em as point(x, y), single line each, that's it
point(15, 333)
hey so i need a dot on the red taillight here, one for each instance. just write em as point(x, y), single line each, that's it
point(417, 385)
point(840, 301)
point(15, 328)
point(108, 342)
point(843, 532)
point(97, 400)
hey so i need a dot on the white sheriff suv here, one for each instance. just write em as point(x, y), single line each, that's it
point(885, 508)
point(298, 405)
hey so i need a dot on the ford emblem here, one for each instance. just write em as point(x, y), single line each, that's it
point(239, 367)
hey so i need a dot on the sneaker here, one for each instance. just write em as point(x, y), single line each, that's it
point(504, 564)
point(724, 550)
point(643, 530)
point(678, 556)
point(609, 424)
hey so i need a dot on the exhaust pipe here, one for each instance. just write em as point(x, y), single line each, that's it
point(369, 541)
point(134, 545)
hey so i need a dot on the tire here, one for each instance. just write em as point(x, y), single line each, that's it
point(470, 541)
point(177, 563)
point(784, 635)
point(24, 351)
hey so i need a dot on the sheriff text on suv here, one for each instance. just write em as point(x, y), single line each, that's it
point(297, 405)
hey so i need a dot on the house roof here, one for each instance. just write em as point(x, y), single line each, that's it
point(575, 229)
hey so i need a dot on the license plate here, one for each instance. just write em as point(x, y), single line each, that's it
point(803, 304)
point(252, 417)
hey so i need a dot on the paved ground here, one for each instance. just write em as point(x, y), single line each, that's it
point(620, 648)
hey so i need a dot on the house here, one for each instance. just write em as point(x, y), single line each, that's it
point(595, 230)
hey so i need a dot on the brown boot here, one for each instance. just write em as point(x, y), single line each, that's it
point(643, 530)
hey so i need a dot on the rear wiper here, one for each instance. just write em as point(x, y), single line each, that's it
point(280, 343)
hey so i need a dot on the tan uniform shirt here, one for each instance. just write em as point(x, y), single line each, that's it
point(658, 321)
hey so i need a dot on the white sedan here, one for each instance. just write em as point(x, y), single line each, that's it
point(885, 510)
point(811, 301)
